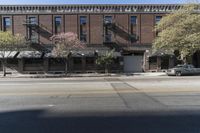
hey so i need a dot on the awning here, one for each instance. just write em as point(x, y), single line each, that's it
point(73, 54)
point(38, 54)
point(137, 47)
point(30, 54)
point(8, 54)
point(90, 53)
point(115, 54)
point(85, 53)
point(162, 53)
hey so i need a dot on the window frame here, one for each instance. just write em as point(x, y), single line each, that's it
point(5, 26)
point(83, 20)
point(57, 24)
point(107, 21)
point(158, 20)
point(136, 20)
point(133, 25)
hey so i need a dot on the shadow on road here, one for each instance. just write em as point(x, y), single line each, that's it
point(33, 121)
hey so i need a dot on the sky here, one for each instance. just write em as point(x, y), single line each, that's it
point(12, 2)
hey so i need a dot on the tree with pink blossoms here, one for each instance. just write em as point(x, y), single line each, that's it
point(66, 42)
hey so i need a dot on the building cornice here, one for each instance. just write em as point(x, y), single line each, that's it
point(88, 8)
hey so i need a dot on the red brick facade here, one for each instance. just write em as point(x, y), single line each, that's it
point(121, 32)
point(70, 23)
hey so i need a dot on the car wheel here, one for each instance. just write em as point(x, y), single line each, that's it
point(178, 73)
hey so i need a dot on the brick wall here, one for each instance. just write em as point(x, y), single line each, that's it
point(71, 23)
point(18, 22)
point(147, 25)
point(96, 29)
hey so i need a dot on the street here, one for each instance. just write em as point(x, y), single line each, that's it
point(159, 104)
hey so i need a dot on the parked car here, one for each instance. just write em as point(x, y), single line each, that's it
point(183, 70)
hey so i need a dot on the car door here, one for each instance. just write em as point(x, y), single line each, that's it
point(193, 70)
point(186, 70)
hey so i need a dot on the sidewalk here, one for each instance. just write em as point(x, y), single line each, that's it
point(118, 74)
point(83, 75)
point(150, 74)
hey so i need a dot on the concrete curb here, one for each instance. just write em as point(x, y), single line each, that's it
point(83, 75)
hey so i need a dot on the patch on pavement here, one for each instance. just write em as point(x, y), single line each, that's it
point(179, 100)
point(123, 87)
point(134, 99)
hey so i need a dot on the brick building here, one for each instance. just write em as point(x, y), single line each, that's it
point(127, 28)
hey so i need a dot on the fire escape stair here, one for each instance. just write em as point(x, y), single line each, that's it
point(43, 31)
point(122, 32)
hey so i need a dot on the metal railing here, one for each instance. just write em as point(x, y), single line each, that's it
point(119, 29)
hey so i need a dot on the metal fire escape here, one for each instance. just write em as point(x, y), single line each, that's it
point(118, 30)
point(40, 30)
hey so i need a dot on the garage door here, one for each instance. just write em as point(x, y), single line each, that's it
point(133, 64)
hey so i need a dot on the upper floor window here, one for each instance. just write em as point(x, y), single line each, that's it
point(107, 32)
point(32, 34)
point(133, 29)
point(133, 20)
point(83, 28)
point(83, 20)
point(32, 20)
point(108, 19)
point(6, 23)
point(57, 24)
point(158, 18)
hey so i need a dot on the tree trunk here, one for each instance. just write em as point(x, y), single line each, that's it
point(4, 67)
point(106, 68)
point(185, 60)
point(66, 65)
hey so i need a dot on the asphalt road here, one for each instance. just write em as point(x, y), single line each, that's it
point(100, 105)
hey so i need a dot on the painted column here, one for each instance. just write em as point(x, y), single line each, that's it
point(171, 62)
point(158, 63)
point(21, 65)
point(83, 63)
point(46, 65)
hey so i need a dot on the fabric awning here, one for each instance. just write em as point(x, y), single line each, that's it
point(8, 54)
point(30, 54)
point(162, 53)
point(85, 53)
